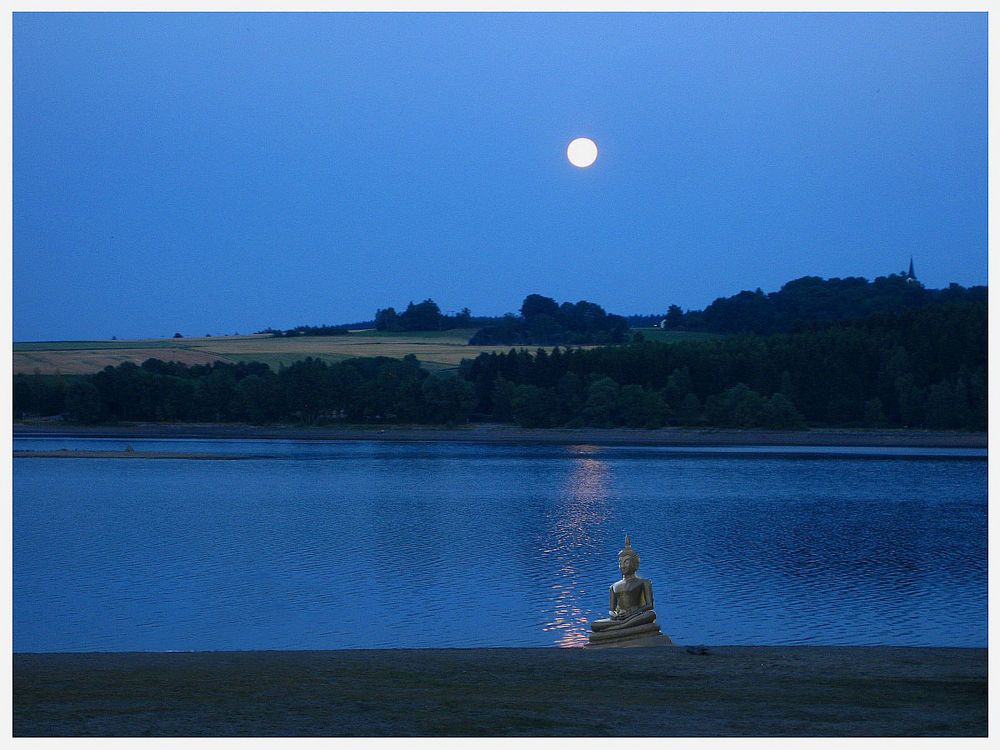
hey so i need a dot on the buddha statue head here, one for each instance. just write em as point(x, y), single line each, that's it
point(628, 559)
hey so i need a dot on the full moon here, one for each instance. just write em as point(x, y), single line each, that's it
point(581, 152)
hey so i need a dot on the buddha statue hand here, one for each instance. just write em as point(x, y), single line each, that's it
point(636, 618)
point(629, 613)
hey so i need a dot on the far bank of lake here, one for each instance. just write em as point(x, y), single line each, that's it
point(503, 434)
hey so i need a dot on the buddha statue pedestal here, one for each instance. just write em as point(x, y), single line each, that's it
point(629, 636)
point(631, 621)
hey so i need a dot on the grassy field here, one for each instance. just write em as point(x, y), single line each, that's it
point(68, 346)
point(453, 336)
point(82, 361)
point(438, 351)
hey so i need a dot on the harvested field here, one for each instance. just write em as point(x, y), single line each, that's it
point(60, 346)
point(87, 361)
point(436, 350)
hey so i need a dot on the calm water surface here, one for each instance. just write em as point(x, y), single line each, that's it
point(375, 545)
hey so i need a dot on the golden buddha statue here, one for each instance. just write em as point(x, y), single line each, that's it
point(631, 620)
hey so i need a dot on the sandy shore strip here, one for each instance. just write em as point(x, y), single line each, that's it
point(495, 433)
point(188, 456)
point(672, 691)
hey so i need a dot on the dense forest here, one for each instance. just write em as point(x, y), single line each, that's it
point(369, 389)
point(923, 367)
point(919, 368)
point(798, 305)
point(810, 299)
point(543, 321)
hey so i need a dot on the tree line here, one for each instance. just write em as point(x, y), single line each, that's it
point(542, 321)
point(919, 368)
point(310, 391)
point(423, 316)
point(799, 304)
point(322, 330)
point(804, 302)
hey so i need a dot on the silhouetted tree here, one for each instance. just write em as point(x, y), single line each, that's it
point(83, 402)
point(535, 305)
point(779, 413)
point(386, 320)
point(674, 318)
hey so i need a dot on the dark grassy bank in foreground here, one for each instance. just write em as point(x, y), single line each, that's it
point(749, 691)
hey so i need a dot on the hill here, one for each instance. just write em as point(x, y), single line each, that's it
point(923, 368)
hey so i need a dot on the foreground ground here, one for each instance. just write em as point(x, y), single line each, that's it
point(749, 691)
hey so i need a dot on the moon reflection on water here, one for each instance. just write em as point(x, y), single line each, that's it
point(582, 510)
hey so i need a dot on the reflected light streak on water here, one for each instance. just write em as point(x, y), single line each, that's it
point(582, 508)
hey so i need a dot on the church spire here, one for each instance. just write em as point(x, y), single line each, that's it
point(910, 274)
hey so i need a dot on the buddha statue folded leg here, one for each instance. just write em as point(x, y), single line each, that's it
point(650, 629)
point(640, 618)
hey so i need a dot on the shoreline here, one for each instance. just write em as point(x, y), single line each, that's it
point(509, 434)
point(177, 455)
point(833, 691)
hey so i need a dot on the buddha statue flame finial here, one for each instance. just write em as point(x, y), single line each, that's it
point(627, 551)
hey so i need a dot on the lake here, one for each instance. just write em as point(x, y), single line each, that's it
point(368, 544)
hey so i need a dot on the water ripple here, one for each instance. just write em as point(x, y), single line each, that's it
point(372, 546)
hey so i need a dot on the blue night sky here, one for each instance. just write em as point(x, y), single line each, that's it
point(217, 173)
